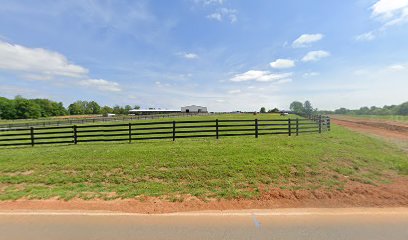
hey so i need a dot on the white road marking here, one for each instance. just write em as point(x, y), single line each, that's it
point(272, 212)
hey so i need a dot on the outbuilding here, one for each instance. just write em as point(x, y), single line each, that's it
point(193, 109)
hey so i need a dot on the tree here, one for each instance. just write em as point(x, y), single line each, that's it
point(297, 107)
point(307, 108)
point(50, 108)
point(7, 109)
point(402, 109)
point(117, 109)
point(263, 110)
point(26, 108)
point(127, 109)
point(77, 108)
point(93, 107)
point(275, 110)
point(105, 110)
point(341, 111)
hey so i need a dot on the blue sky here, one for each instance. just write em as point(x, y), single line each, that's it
point(224, 54)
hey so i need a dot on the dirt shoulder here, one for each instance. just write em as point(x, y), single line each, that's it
point(354, 195)
point(396, 132)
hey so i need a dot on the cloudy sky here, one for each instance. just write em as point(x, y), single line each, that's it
point(224, 54)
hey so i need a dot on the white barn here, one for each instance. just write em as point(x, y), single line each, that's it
point(193, 109)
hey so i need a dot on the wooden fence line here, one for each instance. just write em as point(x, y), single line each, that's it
point(62, 122)
point(161, 130)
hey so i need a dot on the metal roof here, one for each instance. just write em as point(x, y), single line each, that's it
point(153, 110)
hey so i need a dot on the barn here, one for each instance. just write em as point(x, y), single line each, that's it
point(193, 109)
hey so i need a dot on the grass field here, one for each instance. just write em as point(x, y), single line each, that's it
point(397, 118)
point(207, 168)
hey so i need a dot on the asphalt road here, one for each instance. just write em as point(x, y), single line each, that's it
point(292, 224)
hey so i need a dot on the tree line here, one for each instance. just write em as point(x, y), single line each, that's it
point(296, 107)
point(305, 108)
point(22, 108)
point(401, 109)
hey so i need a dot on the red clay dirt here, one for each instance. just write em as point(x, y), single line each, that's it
point(354, 195)
point(381, 128)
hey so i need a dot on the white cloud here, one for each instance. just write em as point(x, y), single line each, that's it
point(400, 19)
point(101, 84)
point(306, 39)
point(259, 76)
point(37, 61)
point(311, 74)
point(282, 63)
point(368, 36)
point(388, 8)
point(286, 80)
point(44, 65)
point(315, 56)
point(235, 91)
point(389, 13)
point(190, 56)
point(215, 16)
point(210, 2)
point(397, 67)
point(224, 13)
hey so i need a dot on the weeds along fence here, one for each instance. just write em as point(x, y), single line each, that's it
point(160, 130)
point(21, 123)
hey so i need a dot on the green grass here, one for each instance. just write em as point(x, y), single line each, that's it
point(397, 118)
point(182, 129)
point(230, 167)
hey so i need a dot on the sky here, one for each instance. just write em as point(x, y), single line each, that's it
point(224, 54)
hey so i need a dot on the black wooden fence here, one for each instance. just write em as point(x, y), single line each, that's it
point(160, 130)
point(26, 123)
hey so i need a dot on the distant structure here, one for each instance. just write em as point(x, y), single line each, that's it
point(193, 109)
point(186, 109)
point(151, 111)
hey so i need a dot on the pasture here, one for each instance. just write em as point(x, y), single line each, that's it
point(235, 167)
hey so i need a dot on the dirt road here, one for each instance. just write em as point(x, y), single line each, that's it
point(272, 224)
point(396, 132)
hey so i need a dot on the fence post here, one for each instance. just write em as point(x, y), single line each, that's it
point(328, 123)
point(216, 127)
point(297, 126)
point(75, 134)
point(174, 130)
point(320, 123)
point(32, 136)
point(130, 132)
point(289, 127)
point(256, 128)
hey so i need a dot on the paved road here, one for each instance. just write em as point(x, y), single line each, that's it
point(293, 224)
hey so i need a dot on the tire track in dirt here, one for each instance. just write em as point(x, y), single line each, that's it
point(386, 129)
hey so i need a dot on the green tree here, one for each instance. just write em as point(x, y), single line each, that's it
point(119, 110)
point(275, 110)
point(297, 107)
point(105, 110)
point(7, 109)
point(77, 108)
point(93, 107)
point(341, 111)
point(402, 109)
point(307, 108)
point(26, 109)
point(263, 110)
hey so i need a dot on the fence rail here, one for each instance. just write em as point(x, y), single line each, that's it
point(160, 130)
point(25, 123)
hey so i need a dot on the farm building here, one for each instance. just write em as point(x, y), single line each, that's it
point(151, 111)
point(194, 109)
